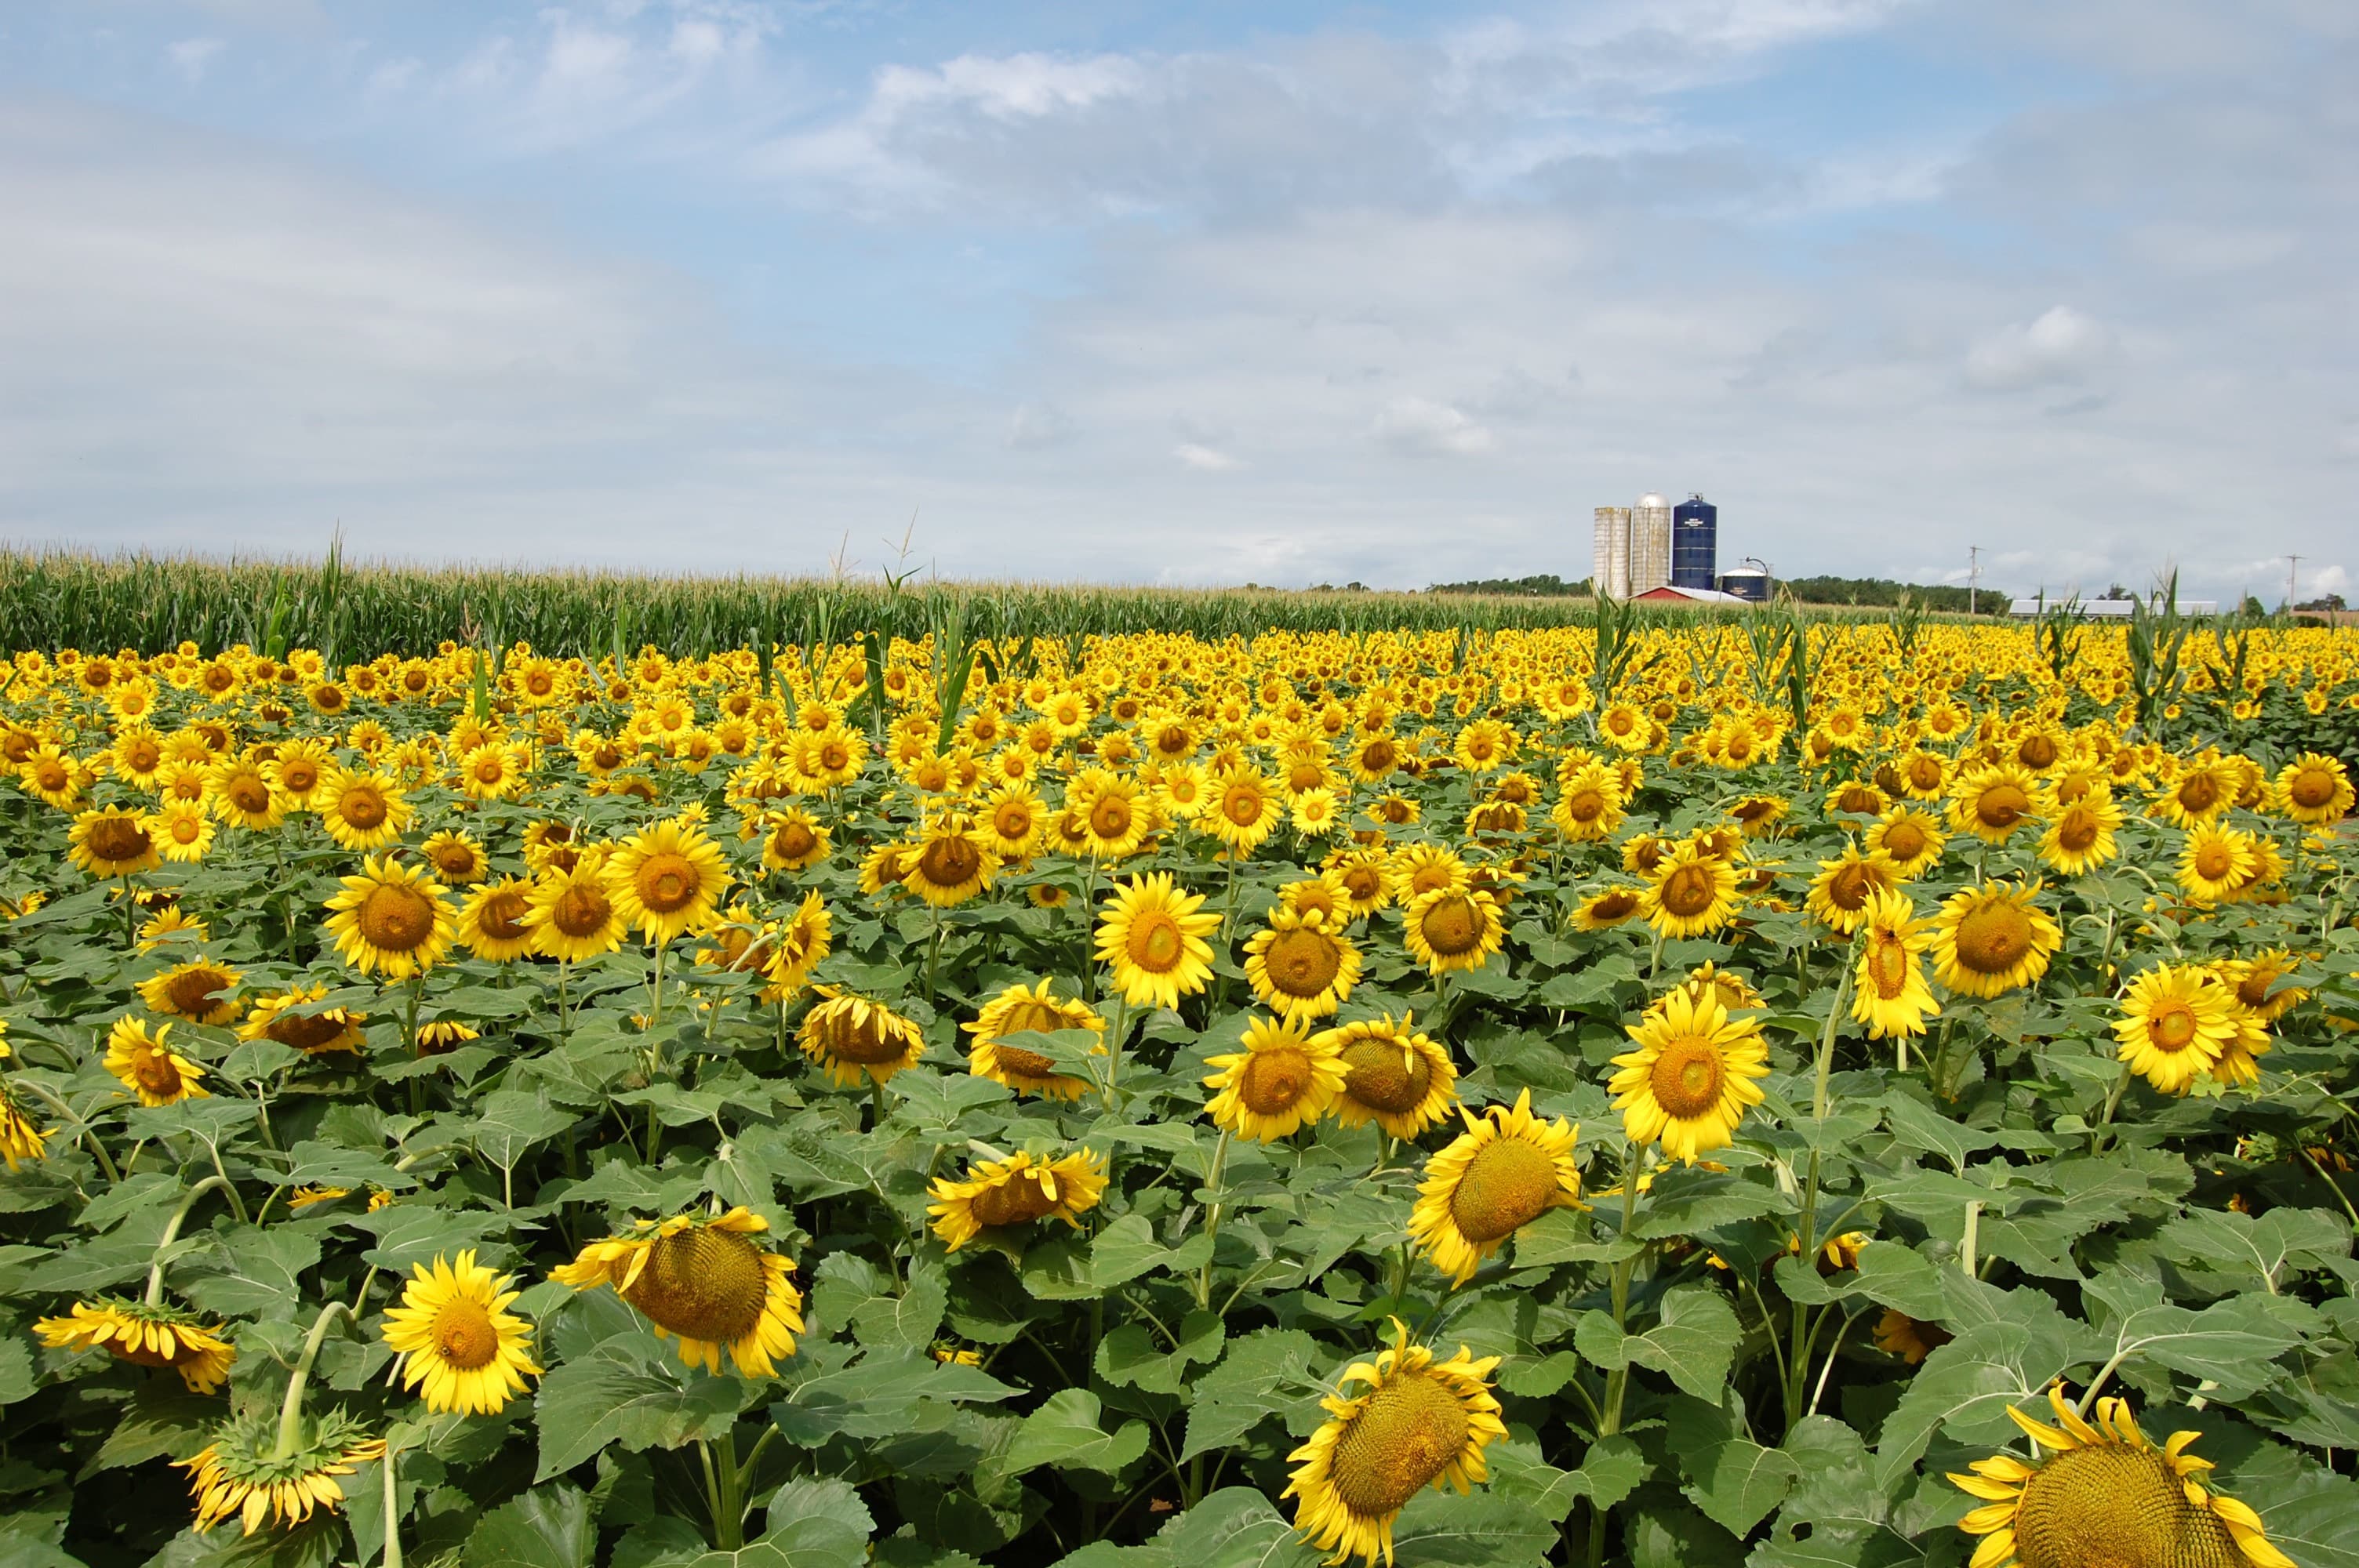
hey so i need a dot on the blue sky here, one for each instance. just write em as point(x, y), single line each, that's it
point(1207, 293)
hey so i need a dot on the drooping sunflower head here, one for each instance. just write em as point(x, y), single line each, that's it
point(1015, 1190)
point(1021, 1010)
point(391, 919)
point(492, 922)
point(1418, 1421)
point(288, 1017)
point(457, 1341)
point(858, 1041)
point(112, 842)
point(2100, 1493)
point(241, 1474)
point(150, 1067)
point(146, 1334)
point(1452, 929)
point(1608, 907)
point(1889, 992)
point(1284, 1079)
point(1691, 1079)
point(1504, 1171)
point(199, 990)
point(701, 1278)
point(1394, 1075)
point(2258, 983)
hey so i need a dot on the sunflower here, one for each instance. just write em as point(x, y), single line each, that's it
point(298, 769)
point(2104, 1494)
point(452, 1333)
point(444, 1034)
point(1589, 806)
point(1021, 1010)
point(112, 842)
point(2176, 1021)
point(950, 862)
point(1012, 821)
point(183, 834)
point(194, 990)
point(666, 879)
point(1153, 934)
point(20, 1138)
point(859, 1041)
point(1889, 993)
point(494, 770)
point(278, 1017)
point(2256, 982)
point(701, 1278)
point(2313, 789)
point(1608, 907)
point(1015, 1190)
point(1992, 801)
point(2217, 863)
point(241, 1473)
point(1421, 1421)
point(1451, 929)
point(241, 794)
point(1324, 895)
point(793, 841)
point(1911, 1340)
point(1300, 964)
point(146, 1334)
point(1733, 991)
point(391, 919)
point(796, 946)
point(1504, 1171)
point(1911, 840)
point(883, 867)
point(456, 857)
point(2204, 788)
point(1689, 892)
point(1992, 938)
point(1420, 869)
point(1284, 1079)
point(362, 809)
point(492, 922)
point(148, 1065)
point(1361, 875)
point(1245, 809)
point(1845, 887)
point(572, 915)
point(2079, 835)
point(1690, 1080)
point(1394, 1075)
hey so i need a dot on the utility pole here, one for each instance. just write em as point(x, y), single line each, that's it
point(2291, 562)
point(1973, 575)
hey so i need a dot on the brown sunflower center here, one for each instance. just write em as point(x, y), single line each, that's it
point(1993, 938)
point(2113, 1506)
point(1408, 1433)
point(2077, 832)
point(1887, 967)
point(396, 918)
point(582, 910)
point(667, 881)
point(193, 992)
point(1241, 804)
point(117, 838)
point(463, 1334)
point(1378, 756)
point(2037, 752)
point(2311, 788)
point(1506, 1185)
point(1303, 962)
point(1858, 798)
point(249, 794)
point(186, 828)
point(2172, 1025)
point(2001, 805)
point(1848, 889)
point(502, 916)
point(305, 1033)
point(456, 861)
point(299, 776)
point(1274, 1079)
point(702, 1284)
point(1453, 926)
point(1688, 891)
point(1925, 773)
point(1156, 942)
point(1014, 1200)
point(950, 862)
point(1012, 820)
point(866, 1040)
point(362, 807)
point(2253, 991)
point(1385, 1074)
point(1687, 1078)
point(792, 841)
point(2198, 794)
point(1614, 905)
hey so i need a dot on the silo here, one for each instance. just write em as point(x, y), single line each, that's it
point(1650, 544)
point(1612, 552)
point(1749, 583)
point(1695, 543)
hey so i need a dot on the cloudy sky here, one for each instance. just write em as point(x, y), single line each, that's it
point(1212, 292)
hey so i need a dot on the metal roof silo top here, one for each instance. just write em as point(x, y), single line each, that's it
point(1651, 499)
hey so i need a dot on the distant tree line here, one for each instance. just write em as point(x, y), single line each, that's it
point(1547, 585)
point(1883, 590)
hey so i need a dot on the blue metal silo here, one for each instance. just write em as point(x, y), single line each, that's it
point(1695, 543)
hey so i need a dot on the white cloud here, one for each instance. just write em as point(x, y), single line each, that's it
point(1037, 425)
point(1421, 425)
point(1203, 459)
point(2060, 344)
point(193, 57)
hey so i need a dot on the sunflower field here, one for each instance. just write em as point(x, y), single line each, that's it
point(1806, 1094)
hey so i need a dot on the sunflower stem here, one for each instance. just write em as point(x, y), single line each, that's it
point(87, 1133)
point(1115, 1036)
point(1211, 1221)
point(2097, 1134)
point(290, 1409)
point(173, 1233)
point(391, 1512)
point(2333, 1186)
point(1609, 1423)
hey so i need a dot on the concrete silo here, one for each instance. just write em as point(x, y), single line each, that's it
point(1611, 572)
point(1650, 543)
